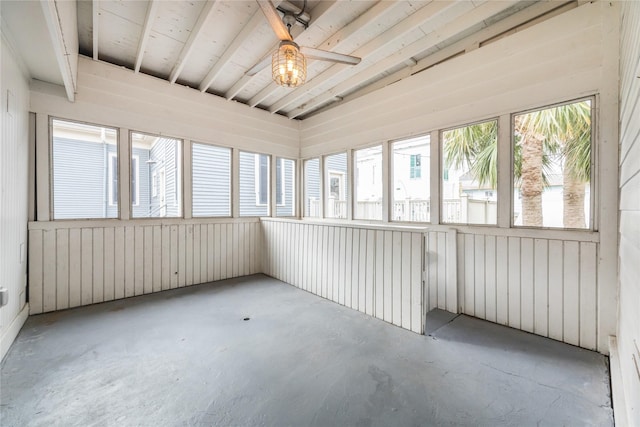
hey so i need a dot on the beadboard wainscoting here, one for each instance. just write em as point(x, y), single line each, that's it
point(375, 270)
point(75, 263)
point(546, 286)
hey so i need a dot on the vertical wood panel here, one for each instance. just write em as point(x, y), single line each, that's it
point(556, 278)
point(490, 277)
point(236, 248)
point(166, 257)
point(157, 258)
point(98, 265)
point(188, 247)
point(129, 262)
point(387, 280)
point(139, 264)
point(451, 264)
point(379, 277)
point(336, 263)
point(211, 253)
point(541, 288)
point(196, 249)
point(442, 271)
point(230, 250)
point(330, 262)
point(526, 284)
point(324, 292)
point(119, 262)
point(35, 272)
point(433, 257)
point(62, 269)
point(348, 270)
point(174, 254)
point(469, 275)
point(109, 263)
point(223, 252)
point(49, 271)
point(75, 265)
point(460, 285)
point(362, 272)
point(396, 281)
point(355, 270)
point(204, 253)
point(370, 272)
point(416, 282)
point(479, 278)
point(406, 280)
point(571, 297)
point(514, 282)
point(502, 280)
point(218, 252)
point(588, 299)
point(86, 287)
point(182, 255)
point(147, 285)
point(343, 270)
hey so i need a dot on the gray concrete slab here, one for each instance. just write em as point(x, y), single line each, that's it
point(187, 357)
point(436, 319)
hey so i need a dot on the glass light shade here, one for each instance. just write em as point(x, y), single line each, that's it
point(288, 65)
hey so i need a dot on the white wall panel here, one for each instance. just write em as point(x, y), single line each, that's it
point(544, 286)
point(74, 263)
point(372, 270)
point(14, 164)
point(628, 333)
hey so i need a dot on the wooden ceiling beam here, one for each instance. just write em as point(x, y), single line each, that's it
point(256, 20)
point(196, 32)
point(146, 30)
point(95, 27)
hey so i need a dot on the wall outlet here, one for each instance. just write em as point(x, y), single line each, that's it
point(4, 296)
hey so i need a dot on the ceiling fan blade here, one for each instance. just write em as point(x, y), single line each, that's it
point(325, 55)
point(259, 66)
point(274, 19)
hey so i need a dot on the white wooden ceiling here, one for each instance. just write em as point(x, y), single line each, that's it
point(209, 45)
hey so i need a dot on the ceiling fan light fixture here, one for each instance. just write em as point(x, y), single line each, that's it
point(288, 65)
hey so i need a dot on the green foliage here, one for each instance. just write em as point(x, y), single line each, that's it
point(474, 148)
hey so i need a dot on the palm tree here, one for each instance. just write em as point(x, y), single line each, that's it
point(541, 137)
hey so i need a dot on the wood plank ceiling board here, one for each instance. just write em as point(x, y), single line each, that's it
point(169, 33)
point(120, 24)
point(228, 19)
point(85, 27)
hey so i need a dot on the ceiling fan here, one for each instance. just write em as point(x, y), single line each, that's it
point(288, 62)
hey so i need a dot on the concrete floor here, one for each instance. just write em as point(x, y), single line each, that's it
point(187, 358)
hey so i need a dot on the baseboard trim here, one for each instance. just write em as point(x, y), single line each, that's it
point(11, 333)
point(617, 388)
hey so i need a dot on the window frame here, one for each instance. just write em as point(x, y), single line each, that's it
point(50, 164)
point(355, 178)
point(294, 190)
point(178, 199)
point(135, 158)
point(230, 149)
point(258, 178)
point(441, 169)
point(591, 226)
point(304, 187)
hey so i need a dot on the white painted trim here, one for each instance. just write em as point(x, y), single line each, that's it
point(44, 141)
point(617, 386)
point(257, 178)
point(61, 51)
point(111, 156)
point(136, 159)
point(124, 165)
point(11, 332)
point(435, 174)
point(102, 223)
point(505, 171)
point(187, 178)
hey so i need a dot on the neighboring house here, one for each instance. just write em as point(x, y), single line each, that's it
point(254, 185)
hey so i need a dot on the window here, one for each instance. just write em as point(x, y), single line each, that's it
point(552, 166)
point(211, 180)
point(113, 180)
point(336, 194)
point(83, 173)
point(254, 184)
point(155, 176)
point(411, 188)
point(312, 188)
point(470, 159)
point(415, 166)
point(135, 182)
point(285, 187)
point(368, 183)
